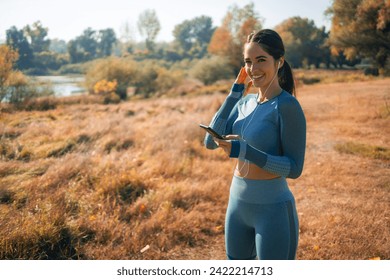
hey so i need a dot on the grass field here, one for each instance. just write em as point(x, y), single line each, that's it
point(133, 180)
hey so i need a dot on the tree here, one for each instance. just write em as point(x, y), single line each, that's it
point(18, 41)
point(88, 43)
point(75, 56)
point(44, 61)
point(106, 40)
point(242, 21)
point(127, 38)
point(36, 35)
point(362, 28)
point(193, 36)
point(149, 26)
point(14, 85)
point(305, 44)
point(7, 59)
point(221, 42)
point(58, 46)
point(91, 45)
point(228, 39)
point(84, 47)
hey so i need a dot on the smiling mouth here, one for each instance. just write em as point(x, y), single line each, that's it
point(257, 77)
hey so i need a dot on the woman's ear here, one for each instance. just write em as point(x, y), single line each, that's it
point(281, 62)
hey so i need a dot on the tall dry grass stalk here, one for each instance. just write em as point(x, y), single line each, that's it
point(94, 181)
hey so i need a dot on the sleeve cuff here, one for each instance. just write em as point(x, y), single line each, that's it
point(237, 90)
point(235, 151)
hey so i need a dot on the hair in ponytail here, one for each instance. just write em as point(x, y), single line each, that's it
point(270, 41)
point(286, 78)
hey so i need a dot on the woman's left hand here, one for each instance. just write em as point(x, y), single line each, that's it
point(226, 144)
point(241, 78)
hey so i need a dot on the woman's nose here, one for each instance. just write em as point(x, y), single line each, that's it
point(254, 67)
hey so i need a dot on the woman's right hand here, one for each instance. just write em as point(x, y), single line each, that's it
point(241, 78)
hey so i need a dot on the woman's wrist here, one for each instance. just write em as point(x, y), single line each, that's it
point(235, 150)
point(237, 90)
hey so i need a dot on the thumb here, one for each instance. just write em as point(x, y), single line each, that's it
point(248, 87)
point(232, 136)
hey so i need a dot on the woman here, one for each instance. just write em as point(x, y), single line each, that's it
point(267, 133)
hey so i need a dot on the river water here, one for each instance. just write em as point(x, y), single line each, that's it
point(64, 85)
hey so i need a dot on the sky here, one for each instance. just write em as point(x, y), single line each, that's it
point(67, 19)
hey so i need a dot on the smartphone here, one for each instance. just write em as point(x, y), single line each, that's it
point(212, 131)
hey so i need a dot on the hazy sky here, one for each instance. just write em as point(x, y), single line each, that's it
point(66, 19)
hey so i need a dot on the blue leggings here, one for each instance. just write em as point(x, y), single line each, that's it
point(261, 220)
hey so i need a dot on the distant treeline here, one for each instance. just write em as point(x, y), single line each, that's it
point(359, 35)
point(359, 30)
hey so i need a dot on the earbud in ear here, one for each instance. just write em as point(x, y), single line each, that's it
point(279, 64)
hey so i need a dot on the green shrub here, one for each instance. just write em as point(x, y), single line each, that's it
point(169, 79)
point(21, 90)
point(124, 71)
point(148, 77)
point(210, 70)
point(375, 152)
point(111, 98)
point(79, 68)
point(40, 104)
point(154, 79)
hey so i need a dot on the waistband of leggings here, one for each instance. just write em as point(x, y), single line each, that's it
point(260, 191)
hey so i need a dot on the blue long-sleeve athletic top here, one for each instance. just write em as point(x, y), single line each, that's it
point(272, 134)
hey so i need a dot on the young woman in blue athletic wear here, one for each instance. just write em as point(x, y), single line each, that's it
point(266, 132)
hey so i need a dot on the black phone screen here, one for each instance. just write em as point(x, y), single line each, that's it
point(212, 131)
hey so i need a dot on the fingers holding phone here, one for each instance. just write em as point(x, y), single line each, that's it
point(226, 144)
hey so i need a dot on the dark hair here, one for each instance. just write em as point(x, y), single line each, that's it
point(272, 43)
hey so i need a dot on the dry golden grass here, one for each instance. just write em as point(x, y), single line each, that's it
point(94, 181)
point(323, 76)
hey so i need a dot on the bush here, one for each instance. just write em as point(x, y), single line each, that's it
point(124, 71)
point(105, 87)
point(148, 77)
point(146, 83)
point(21, 90)
point(79, 68)
point(371, 71)
point(155, 79)
point(8, 58)
point(15, 87)
point(111, 98)
point(40, 104)
point(50, 60)
point(168, 79)
point(210, 70)
point(107, 90)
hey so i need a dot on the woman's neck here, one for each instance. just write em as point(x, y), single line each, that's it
point(268, 93)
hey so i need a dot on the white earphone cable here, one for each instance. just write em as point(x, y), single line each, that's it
point(243, 127)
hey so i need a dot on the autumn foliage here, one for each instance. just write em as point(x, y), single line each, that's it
point(8, 57)
point(228, 39)
point(362, 28)
point(221, 42)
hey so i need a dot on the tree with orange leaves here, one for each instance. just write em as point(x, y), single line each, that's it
point(228, 39)
point(221, 42)
point(362, 28)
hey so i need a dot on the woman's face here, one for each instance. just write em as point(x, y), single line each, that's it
point(259, 65)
